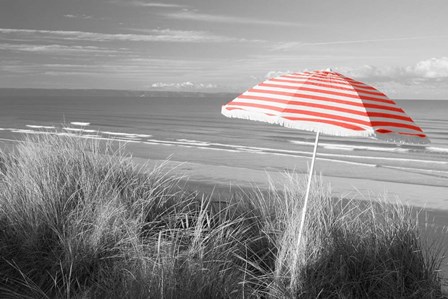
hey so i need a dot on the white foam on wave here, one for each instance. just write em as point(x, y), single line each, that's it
point(180, 143)
point(126, 135)
point(344, 148)
point(78, 130)
point(347, 162)
point(41, 127)
point(97, 137)
point(308, 153)
point(437, 149)
point(72, 132)
point(372, 148)
point(78, 123)
point(117, 133)
point(353, 147)
point(430, 171)
point(219, 149)
point(193, 142)
point(25, 131)
point(161, 142)
point(273, 151)
point(260, 149)
point(66, 134)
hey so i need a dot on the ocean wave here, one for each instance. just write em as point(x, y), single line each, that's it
point(374, 148)
point(354, 147)
point(437, 149)
point(354, 159)
point(193, 142)
point(335, 147)
point(41, 127)
point(26, 131)
point(78, 130)
point(108, 139)
point(117, 133)
point(66, 134)
point(290, 153)
point(126, 135)
point(91, 136)
point(23, 131)
point(370, 161)
point(429, 171)
point(72, 132)
point(219, 149)
point(308, 153)
point(82, 124)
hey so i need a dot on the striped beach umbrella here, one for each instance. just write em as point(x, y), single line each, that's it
point(326, 102)
point(329, 103)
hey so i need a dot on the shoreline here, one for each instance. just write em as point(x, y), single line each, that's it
point(223, 177)
point(230, 171)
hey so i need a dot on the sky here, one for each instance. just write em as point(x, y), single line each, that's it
point(400, 46)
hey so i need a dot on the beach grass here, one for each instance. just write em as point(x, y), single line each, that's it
point(78, 219)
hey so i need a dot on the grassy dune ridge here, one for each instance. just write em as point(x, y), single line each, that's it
point(79, 220)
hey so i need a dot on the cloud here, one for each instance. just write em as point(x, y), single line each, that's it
point(424, 79)
point(195, 16)
point(54, 48)
point(273, 74)
point(153, 35)
point(433, 69)
point(287, 46)
point(183, 85)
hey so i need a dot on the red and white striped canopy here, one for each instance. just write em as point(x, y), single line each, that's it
point(327, 102)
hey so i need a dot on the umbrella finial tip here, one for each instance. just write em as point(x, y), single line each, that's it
point(328, 69)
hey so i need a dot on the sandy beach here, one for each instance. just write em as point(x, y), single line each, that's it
point(220, 181)
point(227, 172)
point(421, 189)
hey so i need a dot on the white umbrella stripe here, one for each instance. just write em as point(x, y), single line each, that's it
point(301, 101)
point(350, 92)
point(294, 103)
point(289, 111)
point(317, 106)
point(302, 89)
point(315, 94)
point(332, 81)
point(310, 99)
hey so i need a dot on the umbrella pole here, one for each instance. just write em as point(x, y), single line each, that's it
point(305, 204)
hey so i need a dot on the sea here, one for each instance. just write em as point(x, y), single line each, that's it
point(189, 127)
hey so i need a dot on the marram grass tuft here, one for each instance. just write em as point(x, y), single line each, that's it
point(78, 219)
